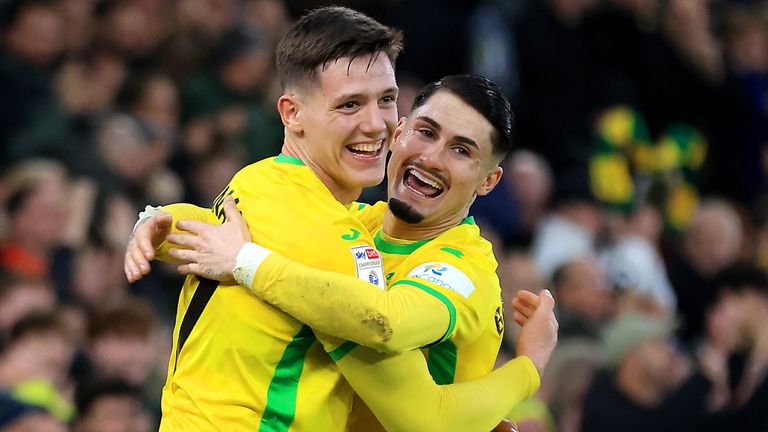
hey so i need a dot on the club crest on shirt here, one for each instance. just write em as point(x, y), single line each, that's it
point(369, 265)
point(444, 275)
point(499, 319)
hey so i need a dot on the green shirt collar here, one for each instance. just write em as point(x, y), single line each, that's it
point(283, 158)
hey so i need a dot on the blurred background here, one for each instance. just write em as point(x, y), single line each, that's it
point(636, 193)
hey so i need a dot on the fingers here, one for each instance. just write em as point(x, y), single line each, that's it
point(546, 301)
point(147, 236)
point(132, 266)
point(135, 263)
point(194, 227)
point(528, 297)
point(234, 216)
point(163, 223)
point(143, 240)
point(184, 255)
point(519, 318)
point(526, 303)
point(191, 269)
point(545, 312)
point(188, 241)
point(230, 209)
point(523, 308)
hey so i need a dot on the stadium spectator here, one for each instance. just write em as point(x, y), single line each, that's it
point(647, 385)
point(17, 416)
point(34, 366)
point(584, 299)
point(21, 296)
point(712, 242)
point(31, 39)
point(110, 406)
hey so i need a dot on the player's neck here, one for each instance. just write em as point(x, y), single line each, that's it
point(344, 195)
point(396, 228)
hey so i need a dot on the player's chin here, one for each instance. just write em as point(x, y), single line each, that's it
point(366, 175)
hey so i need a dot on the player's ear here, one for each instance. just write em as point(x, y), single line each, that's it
point(289, 108)
point(490, 182)
point(399, 129)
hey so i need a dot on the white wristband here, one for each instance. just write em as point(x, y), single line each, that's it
point(147, 213)
point(247, 263)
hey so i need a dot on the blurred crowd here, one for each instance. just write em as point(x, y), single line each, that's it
point(637, 192)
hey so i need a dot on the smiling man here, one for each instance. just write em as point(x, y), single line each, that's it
point(444, 292)
point(238, 363)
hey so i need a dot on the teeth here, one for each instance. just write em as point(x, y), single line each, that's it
point(426, 180)
point(366, 147)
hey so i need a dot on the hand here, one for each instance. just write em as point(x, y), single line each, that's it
point(210, 250)
point(524, 304)
point(539, 334)
point(147, 236)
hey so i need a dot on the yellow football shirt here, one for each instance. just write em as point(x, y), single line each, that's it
point(245, 365)
point(459, 268)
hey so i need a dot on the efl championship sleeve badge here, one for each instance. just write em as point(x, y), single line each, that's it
point(369, 265)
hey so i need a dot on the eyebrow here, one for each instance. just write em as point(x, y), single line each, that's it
point(437, 127)
point(391, 90)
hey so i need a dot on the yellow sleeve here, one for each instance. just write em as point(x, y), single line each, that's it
point(181, 211)
point(401, 393)
point(352, 309)
point(468, 287)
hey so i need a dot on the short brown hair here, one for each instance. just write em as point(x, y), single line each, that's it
point(328, 34)
point(40, 323)
point(133, 319)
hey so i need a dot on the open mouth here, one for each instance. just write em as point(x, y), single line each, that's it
point(366, 150)
point(422, 183)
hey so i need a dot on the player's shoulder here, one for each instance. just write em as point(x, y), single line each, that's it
point(459, 260)
point(465, 243)
point(269, 165)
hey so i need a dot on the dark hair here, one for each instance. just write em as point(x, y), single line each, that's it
point(9, 282)
point(741, 277)
point(737, 278)
point(90, 392)
point(559, 276)
point(134, 90)
point(486, 97)
point(132, 319)
point(37, 323)
point(328, 34)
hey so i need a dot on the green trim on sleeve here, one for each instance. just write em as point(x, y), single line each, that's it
point(397, 249)
point(455, 252)
point(442, 362)
point(282, 158)
point(437, 294)
point(281, 394)
point(342, 350)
